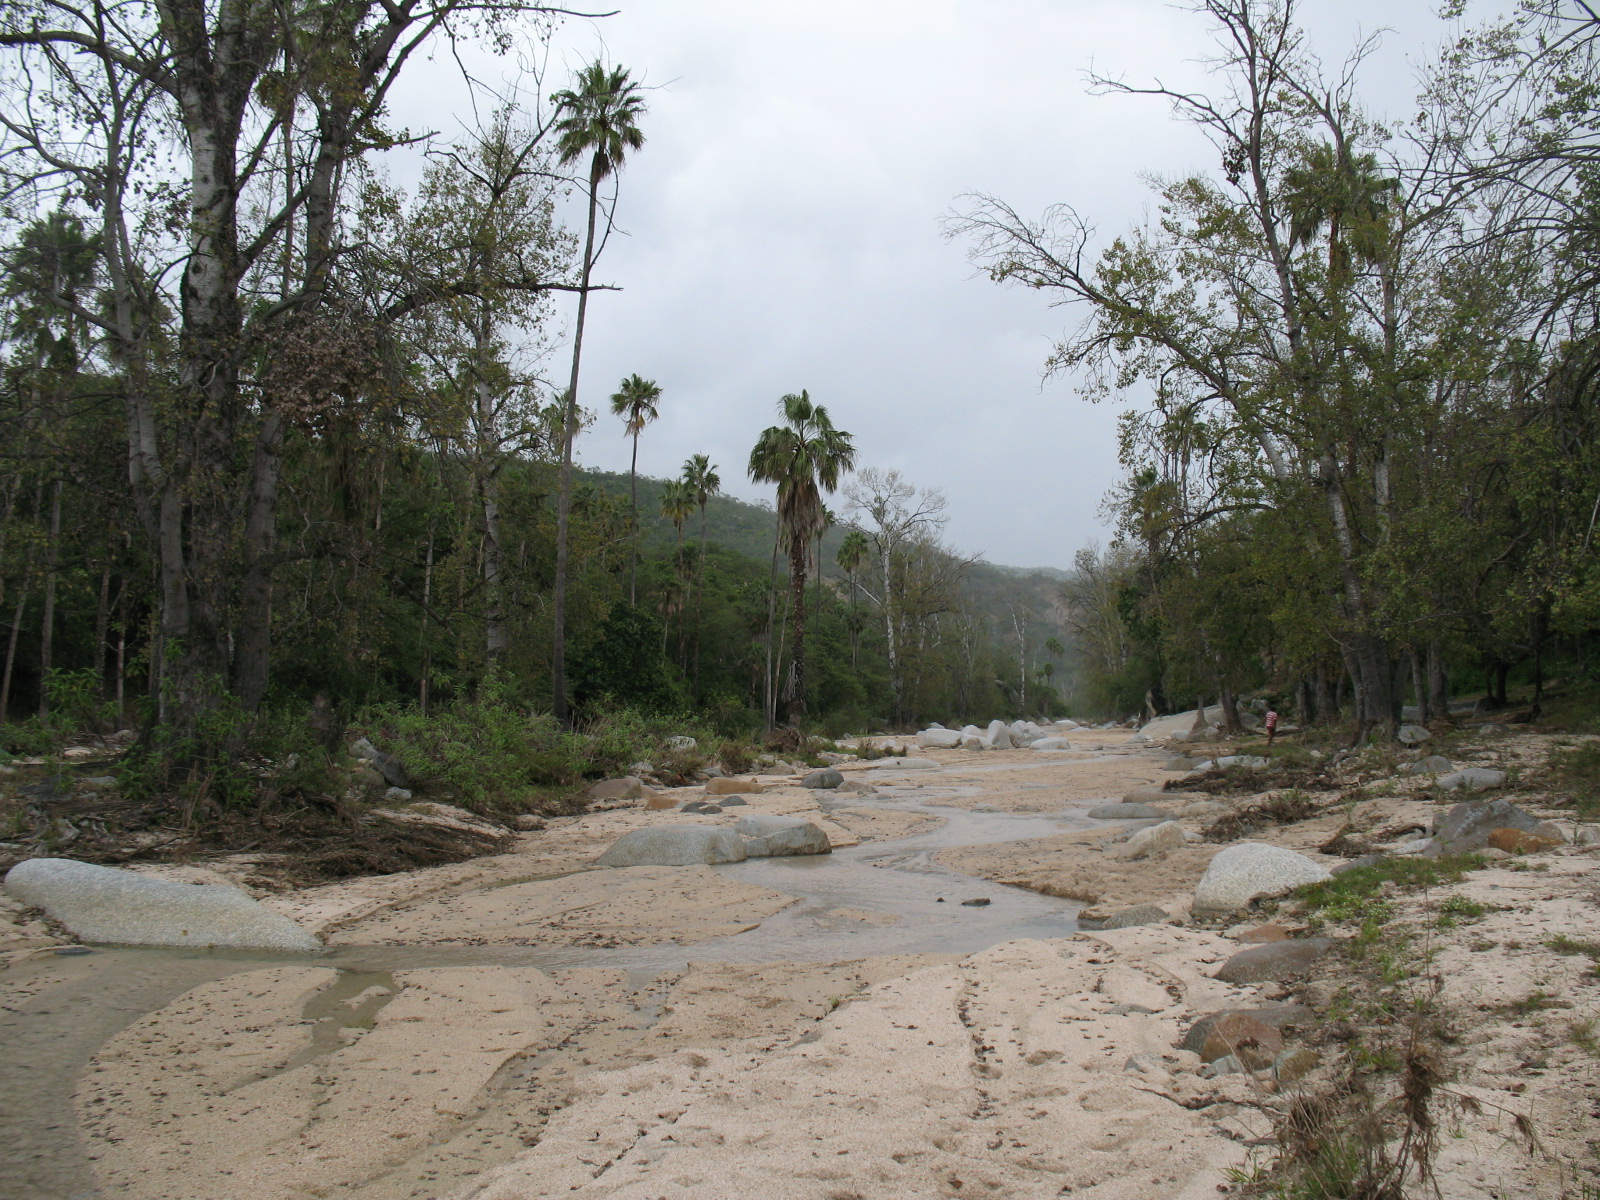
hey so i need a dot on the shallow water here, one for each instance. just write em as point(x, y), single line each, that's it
point(48, 1039)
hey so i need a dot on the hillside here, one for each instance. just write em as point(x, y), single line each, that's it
point(999, 593)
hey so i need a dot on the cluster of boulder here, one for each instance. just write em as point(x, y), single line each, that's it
point(1001, 736)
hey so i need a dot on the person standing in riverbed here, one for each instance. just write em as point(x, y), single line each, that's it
point(1272, 726)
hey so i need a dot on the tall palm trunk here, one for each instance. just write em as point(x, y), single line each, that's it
point(633, 493)
point(797, 585)
point(569, 423)
point(769, 702)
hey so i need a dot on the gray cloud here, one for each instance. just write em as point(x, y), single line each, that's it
point(783, 230)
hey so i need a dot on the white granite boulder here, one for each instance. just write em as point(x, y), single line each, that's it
point(106, 904)
point(998, 735)
point(1413, 735)
point(1251, 870)
point(684, 846)
point(939, 739)
point(768, 836)
point(1155, 841)
point(1050, 743)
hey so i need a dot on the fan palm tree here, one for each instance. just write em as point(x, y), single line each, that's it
point(1330, 188)
point(804, 457)
point(702, 480)
point(635, 402)
point(853, 552)
point(599, 118)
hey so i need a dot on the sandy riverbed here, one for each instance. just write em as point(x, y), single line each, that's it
point(521, 1026)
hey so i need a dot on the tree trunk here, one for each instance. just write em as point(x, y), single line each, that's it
point(797, 585)
point(11, 650)
point(253, 643)
point(47, 622)
point(102, 625)
point(1419, 686)
point(633, 523)
point(1438, 682)
point(569, 430)
point(769, 700)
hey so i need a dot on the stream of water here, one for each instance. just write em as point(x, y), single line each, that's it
point(45, 1041)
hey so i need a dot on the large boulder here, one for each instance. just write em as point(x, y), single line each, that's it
point(1066, 726)
point(1274, 961)
point(680, 742)
point(824, 779)
point(1179, 723)
point(768, 836)
point(106, 904)
point(387, 765)
point(971, 741)
point(684, 846)
point(1251, 762)
point(1471, 779)
point(1050, 743)
point(1250, 870)
point(1468, 826)
point(998, 735)
point(1156, 841)
point(1128, 812)
point(733, 787)
point(627, 788)
point(939, 739)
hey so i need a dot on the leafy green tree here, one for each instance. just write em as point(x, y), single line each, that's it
point(600, 120)
point(805, 457)
point(635, 402)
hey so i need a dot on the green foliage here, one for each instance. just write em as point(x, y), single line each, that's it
point(624, 666)
point(1357, 894)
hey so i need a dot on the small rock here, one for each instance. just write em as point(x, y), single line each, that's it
point(734, 802)
point(1355, 864)
point(527, 822)
point(1180, 763)
point(1050, 743)
point(1277, 1017)
point(1145, 1064)
point(1264, 934)
point(978, 903)
point(396, 795)
point(1121, 918)
point(369, 780)
point(694, 806)
point(733, 787)
point(1295, 1064)
point(659, 802)
point(1519, 841)
point(1434, 764)
point(680, 742)
point(1154, 842)
point(711, 809)
point(1413, 735)
point(1226, 1065)
point(1128, 812)
point(1468, 826)
point(98, 783)
point(1247, 761)
point(1472, 779)
point(1274, 962)
point(826, 778)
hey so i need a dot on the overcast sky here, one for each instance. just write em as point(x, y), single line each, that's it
point(783, 229)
